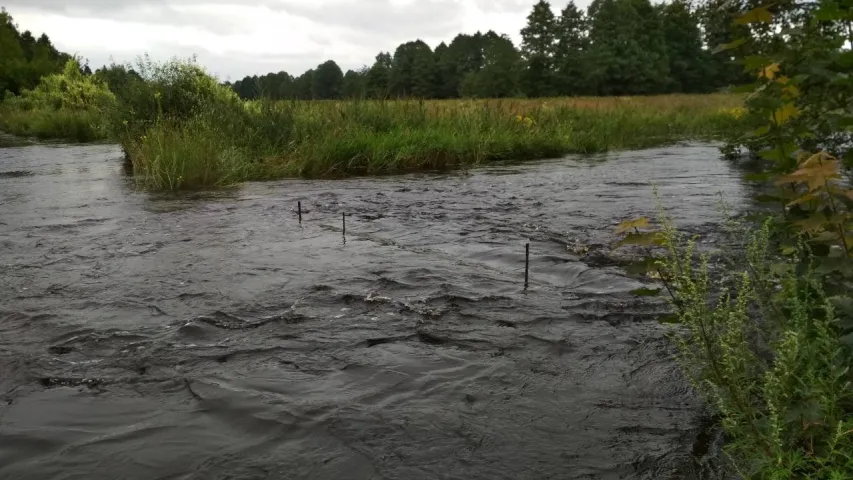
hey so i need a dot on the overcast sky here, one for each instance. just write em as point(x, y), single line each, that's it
point(234, 38)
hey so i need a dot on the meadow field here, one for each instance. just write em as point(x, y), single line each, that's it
point(268, 140)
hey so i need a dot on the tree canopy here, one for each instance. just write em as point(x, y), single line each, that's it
point(614, 47)
point(25, 59)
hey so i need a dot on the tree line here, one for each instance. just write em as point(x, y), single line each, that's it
point(615, 47)
point(25, 59)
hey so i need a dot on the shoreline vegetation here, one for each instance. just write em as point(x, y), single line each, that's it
point(206, 136)
point(222, 140)
point(620, 74)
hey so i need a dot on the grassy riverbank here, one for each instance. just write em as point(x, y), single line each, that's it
point(79, 126)
point(333, 139)
point(182, 129)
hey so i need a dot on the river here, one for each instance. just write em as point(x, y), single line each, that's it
point(211, 335)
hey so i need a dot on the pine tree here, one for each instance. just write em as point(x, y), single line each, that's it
point(627, 48)
point(538, 41)
point(570, 51)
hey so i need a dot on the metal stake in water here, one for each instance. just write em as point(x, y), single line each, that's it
point(526, 264)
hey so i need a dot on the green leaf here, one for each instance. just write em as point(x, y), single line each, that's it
point(646, 292)
point(756, 15)
point(845, 59)
point(830, 265)
point(672, 319)
point(628, 225)
point(642, 239)
point(755, 62)
point(775, 155)
point(827, 13)
point(787, 112)
point(729, 46)
point(813, 223)
point(760, 131)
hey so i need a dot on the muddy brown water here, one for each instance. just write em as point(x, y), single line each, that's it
point(210, 335)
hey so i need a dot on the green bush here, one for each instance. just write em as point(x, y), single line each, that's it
point(67, 106)
point(760, 341)
point(174, 91)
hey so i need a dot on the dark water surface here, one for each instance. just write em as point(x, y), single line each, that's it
point(212, 336)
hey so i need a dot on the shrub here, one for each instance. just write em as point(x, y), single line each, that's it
point(69, 90)
point(175, 91)
point(761, 342)
point(67, 106)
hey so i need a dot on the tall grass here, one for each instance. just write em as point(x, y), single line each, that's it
point(232, 142)
point(64, 124)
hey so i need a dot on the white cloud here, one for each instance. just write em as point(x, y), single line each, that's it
point(234, 38)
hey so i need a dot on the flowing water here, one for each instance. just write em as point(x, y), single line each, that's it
point(211, 335)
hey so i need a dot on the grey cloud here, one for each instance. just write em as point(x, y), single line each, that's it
point(225, 67)
point(428, 17)
point(512, 6)
point(381, 18)
point(162, 13)
point(373, 25)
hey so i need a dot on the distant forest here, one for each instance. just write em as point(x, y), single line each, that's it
point(616, 47)
point(24, 59)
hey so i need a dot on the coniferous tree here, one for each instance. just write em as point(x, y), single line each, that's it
point(571, 51)
point(627, 48)
point(538, 41)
